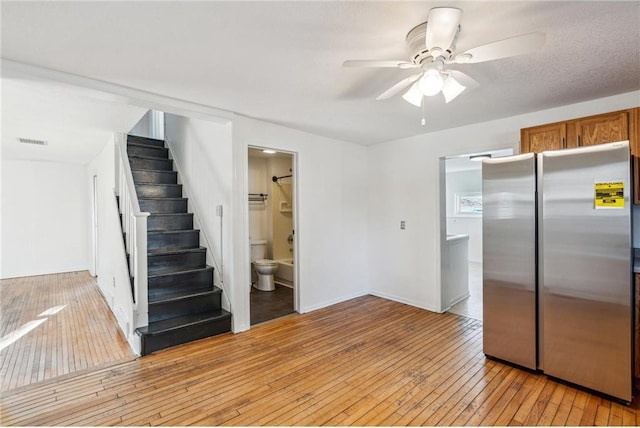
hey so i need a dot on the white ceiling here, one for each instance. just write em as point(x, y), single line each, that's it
point(75, 123)
point(282, 61)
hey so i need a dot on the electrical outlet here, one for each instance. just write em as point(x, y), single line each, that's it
point(403, 224)
point(219, 210)
point(114, 282)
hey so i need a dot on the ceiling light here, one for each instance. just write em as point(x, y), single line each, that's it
point(451, 88)
point(269, 151)
point(413, 95)
point(479, 158)
point(431, 83)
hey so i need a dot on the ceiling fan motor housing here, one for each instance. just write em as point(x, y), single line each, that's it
point(418, 50)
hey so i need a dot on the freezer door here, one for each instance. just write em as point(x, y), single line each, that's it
point(509, 259)
point(585, 269)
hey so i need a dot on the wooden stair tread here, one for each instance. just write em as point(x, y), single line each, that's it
point(172, 231)
point(162, 198)
point(179, 295)
point(182, 322)
point(185, 271)
point(150, 158)
point(162, 252)
point(146, 146)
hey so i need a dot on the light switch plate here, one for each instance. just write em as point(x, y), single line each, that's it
point(402, 224)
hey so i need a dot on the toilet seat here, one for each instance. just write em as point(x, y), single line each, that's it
point(265, 262)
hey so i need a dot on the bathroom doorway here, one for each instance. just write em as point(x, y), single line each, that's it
point(461, 242)
point(271, 188)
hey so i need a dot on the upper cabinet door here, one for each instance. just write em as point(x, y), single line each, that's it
point(545, 137)
point(600, 129)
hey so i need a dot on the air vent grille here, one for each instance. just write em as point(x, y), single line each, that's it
point(32, 141)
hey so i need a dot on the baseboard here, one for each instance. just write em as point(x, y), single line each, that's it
point(402, 300)
point(333, 301)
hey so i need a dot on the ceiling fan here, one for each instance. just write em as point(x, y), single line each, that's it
point(432, 48)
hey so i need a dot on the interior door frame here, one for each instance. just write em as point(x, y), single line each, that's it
point(296, 247)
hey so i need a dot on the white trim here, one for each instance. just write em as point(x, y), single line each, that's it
point(331, 302)
point(240, 269)
point(388, 296)
point(115, 92)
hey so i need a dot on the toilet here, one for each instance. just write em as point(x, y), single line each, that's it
point(264, 268)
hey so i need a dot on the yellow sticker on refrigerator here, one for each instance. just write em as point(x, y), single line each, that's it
point(609, 194)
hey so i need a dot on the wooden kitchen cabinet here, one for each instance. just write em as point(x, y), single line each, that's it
point(544, 137)
point(600, 129)
point(586, 131)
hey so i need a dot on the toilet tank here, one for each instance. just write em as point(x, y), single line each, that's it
point(258, 249)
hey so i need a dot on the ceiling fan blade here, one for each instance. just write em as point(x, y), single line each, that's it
point(451, 88)
point(443, 24)
point(398, 87)
point(464, 79)
point(519, 45)
point(365, 63)
point(413, 95)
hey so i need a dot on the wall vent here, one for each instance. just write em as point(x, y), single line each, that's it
point(32, 141)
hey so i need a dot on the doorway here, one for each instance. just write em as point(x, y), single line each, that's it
point(272, 209)
point(461, 245)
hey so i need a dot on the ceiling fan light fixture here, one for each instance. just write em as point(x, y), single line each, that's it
point(431, 83)
point(451, 88)
point(413, 95)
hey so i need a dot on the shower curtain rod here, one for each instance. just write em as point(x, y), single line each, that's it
point(275, 179)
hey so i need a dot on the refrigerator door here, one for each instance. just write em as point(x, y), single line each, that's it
point(585, 269)
point(509, 259)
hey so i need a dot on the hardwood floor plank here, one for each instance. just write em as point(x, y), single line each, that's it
point(66, 341)
point(367, 361)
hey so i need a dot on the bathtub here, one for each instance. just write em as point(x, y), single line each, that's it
point(284, 274)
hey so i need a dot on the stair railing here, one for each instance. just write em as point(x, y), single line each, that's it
point(134, 227)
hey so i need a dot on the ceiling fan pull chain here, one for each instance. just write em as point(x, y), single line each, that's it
point(423, 122)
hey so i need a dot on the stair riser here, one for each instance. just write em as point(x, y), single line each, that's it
point(173, 241)
point(163, 191)
point(187, 334)
point(163, 206)
point(180, 281)
point(169, 177)
point(162, 263)
point(188, 306)
point(155, 164)
point(143, 140)
point(177, 222)
point(156, 152)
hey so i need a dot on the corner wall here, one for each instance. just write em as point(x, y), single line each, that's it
point(45, 218)
point(405, 264)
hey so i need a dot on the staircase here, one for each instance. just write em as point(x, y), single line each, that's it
point(184, 305)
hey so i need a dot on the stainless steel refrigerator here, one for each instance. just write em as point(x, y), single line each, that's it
point(557, 264)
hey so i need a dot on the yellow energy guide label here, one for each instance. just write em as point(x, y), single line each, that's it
point(609, 194)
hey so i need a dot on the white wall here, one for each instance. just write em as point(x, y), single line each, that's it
point(331, 225)
point(259, 212)
point(45, 218)
point(202, 153)
point(113, 274)
point(404, 184)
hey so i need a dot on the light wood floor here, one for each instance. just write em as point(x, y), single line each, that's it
point(367, 361)
point(72, 328)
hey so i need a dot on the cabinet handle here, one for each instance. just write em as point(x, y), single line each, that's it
point(564, 144)
point(578, 140)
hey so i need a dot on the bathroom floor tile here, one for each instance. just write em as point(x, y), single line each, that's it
point(268, 305)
